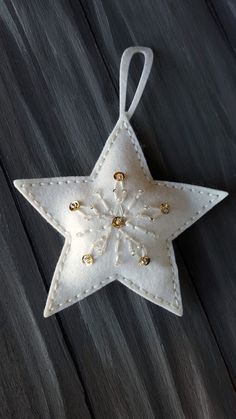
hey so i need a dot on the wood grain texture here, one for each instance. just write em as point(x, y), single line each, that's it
point(38, 378)
point(115, 354)
point(224, 13)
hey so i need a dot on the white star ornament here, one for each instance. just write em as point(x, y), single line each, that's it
point(118, 223)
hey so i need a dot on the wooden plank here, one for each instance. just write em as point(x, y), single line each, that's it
point(135, 359)
point(187, 124)
point(38, 377)
point(224, 13)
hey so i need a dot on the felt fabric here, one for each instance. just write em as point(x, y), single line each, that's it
point(146, 231)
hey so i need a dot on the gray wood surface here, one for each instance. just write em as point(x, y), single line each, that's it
point(114, 354)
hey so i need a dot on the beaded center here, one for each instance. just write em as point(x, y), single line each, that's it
point(128, 217)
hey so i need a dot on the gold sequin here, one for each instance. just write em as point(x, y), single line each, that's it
point(74, 206)
point(165, 208)
point(144, 261)
point(119, 176)
point(118, 222)
point(87, 259)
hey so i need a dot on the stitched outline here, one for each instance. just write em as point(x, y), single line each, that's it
point(67, 235)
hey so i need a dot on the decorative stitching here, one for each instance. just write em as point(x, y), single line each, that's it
point(58, 182)
point(67, 246)
point(95, 286)
point(116, 133)
point(148, 294)
point(43, 210)
point(60, 268)
point(137, 151)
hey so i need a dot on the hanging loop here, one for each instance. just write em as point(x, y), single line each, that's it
point(124, 71)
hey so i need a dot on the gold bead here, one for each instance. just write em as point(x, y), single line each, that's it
point(119, 176)
point(74, 206)
point(87, 259)
point(144, 261)
point(165, 208)
point(118, 222)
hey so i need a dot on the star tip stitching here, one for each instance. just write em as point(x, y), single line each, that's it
point(224, 194)
point(221, 195)
point(180, 312)
point(17, 183)
point(46, 313)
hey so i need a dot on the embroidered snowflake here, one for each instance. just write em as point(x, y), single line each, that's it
point(121, 218)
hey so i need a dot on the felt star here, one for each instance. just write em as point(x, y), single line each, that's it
point(118, 224)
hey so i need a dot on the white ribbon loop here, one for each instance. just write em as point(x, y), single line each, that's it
point(124, 71)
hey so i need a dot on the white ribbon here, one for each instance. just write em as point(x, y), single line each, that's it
point(124, 71)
